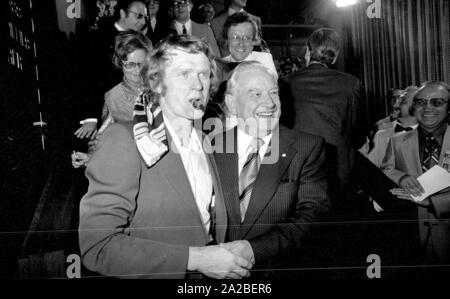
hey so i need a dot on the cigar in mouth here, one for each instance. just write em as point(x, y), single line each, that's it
point(197, 104)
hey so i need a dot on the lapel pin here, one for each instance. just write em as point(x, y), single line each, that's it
point(283, 155)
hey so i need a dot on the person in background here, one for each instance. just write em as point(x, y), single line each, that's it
point(410, 155)
point(218, 23)
point(100, 73)
point(207, 13)
point(131, 48)
point(184, 25)
point(157, 28)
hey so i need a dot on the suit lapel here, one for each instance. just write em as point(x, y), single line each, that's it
point(227, 162)
point(172, 170)
point(445, 145)
point(412, 156)
point(268, 179)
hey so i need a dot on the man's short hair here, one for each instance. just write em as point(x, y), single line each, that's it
point(323, 45)
point(125, 5)
point(128, 42)
point(154, 66)
point(239, 18)
point(242, 67)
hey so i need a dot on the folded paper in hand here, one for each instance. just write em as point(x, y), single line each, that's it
point(432, 181)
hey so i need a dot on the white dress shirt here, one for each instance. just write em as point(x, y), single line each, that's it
point(153, 23)
point(179, 27)
point(197, 170)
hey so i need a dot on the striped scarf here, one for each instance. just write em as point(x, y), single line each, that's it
point(149, 130)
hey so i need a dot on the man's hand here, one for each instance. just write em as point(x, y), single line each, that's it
point(242, 248)
point(411, 185)
point(87, 130)
point(218, 262)
point(403, 194)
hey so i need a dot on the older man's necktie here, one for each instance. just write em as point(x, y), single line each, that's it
point(248, 175)
point(431, 152)
point(184, 30)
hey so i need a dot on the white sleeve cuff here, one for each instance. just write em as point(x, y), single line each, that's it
point(88, 120)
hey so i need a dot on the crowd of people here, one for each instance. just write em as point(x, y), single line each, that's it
point(171, 196)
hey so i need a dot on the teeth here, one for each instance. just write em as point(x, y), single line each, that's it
point(264, 114)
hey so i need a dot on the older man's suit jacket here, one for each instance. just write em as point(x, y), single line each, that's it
point(203, 32)
point(137, 221)
point(217, 26)
point(402, 157)
point(288, 197)
point(325, 102)
point(160, 32)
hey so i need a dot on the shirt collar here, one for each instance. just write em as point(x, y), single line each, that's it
point(244, 141)
point(188, 25)
point(232, 11)
point(194, 142)
point(118, 27)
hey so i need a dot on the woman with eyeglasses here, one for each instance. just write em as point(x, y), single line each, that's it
point(131, 49)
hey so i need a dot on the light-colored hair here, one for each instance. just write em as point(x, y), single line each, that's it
point(155, 64)
point(127, 42)
point(243, 67)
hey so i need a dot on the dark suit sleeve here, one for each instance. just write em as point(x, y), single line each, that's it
point(108, 208)
point(357, 118)
point(287, 104)
point(312, 203)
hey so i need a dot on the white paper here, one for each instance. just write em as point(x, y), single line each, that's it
point(432, 181)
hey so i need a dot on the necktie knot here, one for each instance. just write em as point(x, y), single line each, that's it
point(184, 30)
point(256, 145)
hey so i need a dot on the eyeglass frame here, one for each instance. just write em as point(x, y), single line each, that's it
point(422, 102)
point(237, 38)
point(126, 65)
point(139, 15)
point(184, 3)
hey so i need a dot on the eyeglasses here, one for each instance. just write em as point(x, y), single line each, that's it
point(435, 102)
point(139, 16)
point(130, 65)
point(245, 39)
point(178, 4)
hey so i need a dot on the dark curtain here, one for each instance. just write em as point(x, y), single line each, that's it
point(408, 45)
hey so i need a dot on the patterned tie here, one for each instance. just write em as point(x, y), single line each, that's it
point(431, 153)
point(184, 30)
point(248, 175)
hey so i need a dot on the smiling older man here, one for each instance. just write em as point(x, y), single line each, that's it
point(273, 179)
point(413, 153)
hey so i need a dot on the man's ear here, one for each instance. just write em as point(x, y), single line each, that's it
point(191, 6)
point(335, 58)
point(231, 104)
point(123, 14)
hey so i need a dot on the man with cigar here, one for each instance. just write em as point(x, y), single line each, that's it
point(155, 221)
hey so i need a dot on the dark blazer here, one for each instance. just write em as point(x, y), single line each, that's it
point(325, 102)
point(137, 221)
point(160, 32)
point(217, 27)
point(203, 32)
point(288, 197)
point(98, 71)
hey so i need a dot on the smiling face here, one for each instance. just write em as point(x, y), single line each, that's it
point(132, 66)
point(429, 116)
point(182, 10)
point(255, 102)
point(153, 7)
point(241, 40)
point(134, 18)
point(187, 81)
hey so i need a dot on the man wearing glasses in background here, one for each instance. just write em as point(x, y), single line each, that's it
point(99, 74)
point(184, 25)
point(412, 154)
